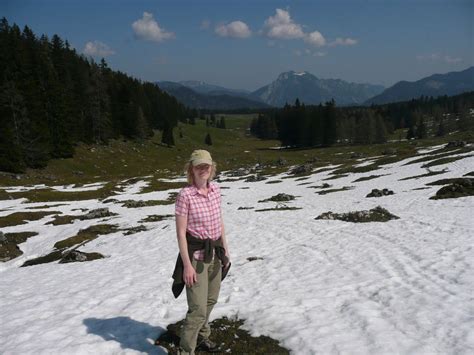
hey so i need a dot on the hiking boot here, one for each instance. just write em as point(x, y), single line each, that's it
point(207, 345)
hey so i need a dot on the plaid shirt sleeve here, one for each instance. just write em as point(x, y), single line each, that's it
point(182, 204)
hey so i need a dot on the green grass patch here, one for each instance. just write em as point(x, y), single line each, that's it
point(17, 218)
point(430, 173)
point(229, 335)
point(365, 178)
point(283, 208)
point(325, 192)
point(444, 161)
point(156, 218)
point(87, 234)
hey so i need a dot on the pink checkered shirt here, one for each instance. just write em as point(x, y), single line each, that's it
point(203, 212)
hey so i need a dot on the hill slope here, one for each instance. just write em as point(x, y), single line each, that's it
point(449, 84)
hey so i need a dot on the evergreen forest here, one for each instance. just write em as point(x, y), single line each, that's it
point(325, 125)
point(52, 98)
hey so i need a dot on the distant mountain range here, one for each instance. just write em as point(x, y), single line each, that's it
point(206, 96)
point(311, 90)
point(449, 84)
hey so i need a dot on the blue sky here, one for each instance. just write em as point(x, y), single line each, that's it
point(246, 44)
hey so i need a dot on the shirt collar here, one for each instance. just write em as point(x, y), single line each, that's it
point(194, 190)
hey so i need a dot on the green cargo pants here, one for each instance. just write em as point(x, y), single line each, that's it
point(202, 297)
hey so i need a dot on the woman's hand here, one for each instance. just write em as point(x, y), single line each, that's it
point(228, 258)
point(189, 275)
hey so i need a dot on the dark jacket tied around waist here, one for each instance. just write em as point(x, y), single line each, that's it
point(195, 244)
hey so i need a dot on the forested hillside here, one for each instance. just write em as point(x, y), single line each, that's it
point(51, 98)
point(324, 125)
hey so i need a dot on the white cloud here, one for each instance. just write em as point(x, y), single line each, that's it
point(235, 29)
point(344, 42)
point(319, 54)
point(281, 26)
point(205, 24)
point(452, 60)
point(433, 56)
point(436, 57)
point(148, 29)
point(97, 49)
point(315, 38)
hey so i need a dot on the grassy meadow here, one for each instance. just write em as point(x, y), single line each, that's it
point(232, 148)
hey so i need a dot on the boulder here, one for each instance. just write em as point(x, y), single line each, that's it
point(98, 213)
point(460, 188)
point(377, 214)
point(79, 256)
point(302, 169)
point(380, 193)
point(281, 197)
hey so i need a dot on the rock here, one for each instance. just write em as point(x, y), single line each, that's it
point(253, 258)
point(281, 197)
point(377, 214)
point(302, 169)
point(380, 193)
point(79, 256)
point(239, 172)
point(98, 213)
point(134, 204)
point(460, 188)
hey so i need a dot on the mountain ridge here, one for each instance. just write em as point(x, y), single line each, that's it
point(450, 84)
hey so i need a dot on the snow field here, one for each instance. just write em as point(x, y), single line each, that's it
point(323, 287)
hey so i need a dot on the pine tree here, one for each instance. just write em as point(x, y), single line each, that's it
point(421, 131)
point(208, 139)
point(167, 137)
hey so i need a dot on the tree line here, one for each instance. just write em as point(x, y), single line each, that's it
point(52, 98)
point(299, 125)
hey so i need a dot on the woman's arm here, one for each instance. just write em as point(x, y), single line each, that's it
point(189, 274)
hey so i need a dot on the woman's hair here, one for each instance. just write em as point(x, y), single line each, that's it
point(188, 169)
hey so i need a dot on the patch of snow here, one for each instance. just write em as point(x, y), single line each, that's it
point(323, 287)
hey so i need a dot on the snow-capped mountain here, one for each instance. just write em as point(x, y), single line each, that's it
point(311, 90)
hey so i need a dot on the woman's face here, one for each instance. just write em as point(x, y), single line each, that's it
point(202, 171)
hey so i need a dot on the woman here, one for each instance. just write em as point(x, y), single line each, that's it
point(203, 258)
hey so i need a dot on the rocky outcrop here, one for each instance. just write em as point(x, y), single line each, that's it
point(302, 169)
point(380, 193)
point(98, 213)
point(377, 214)
point(9, 244)
point(79, 256)
point(461, 187)
point(281, 197)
